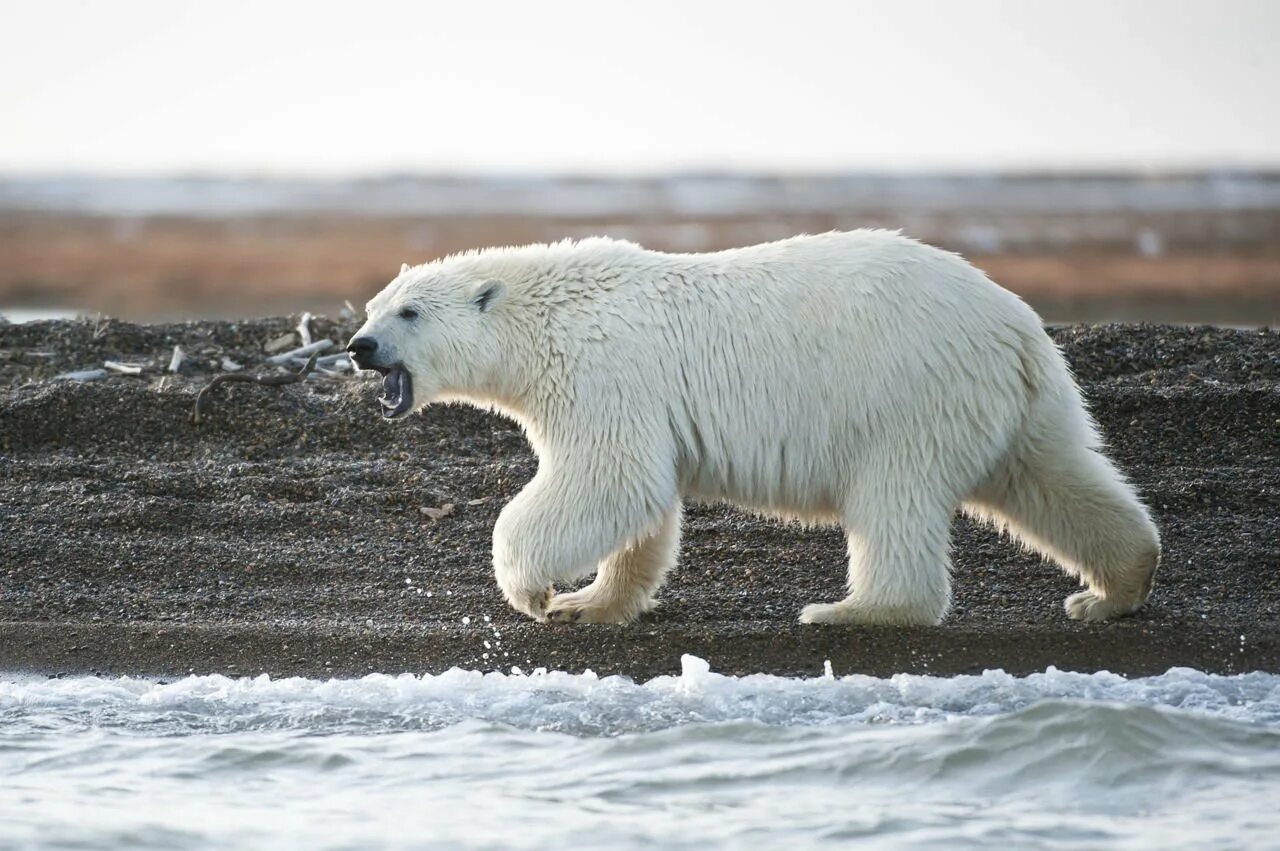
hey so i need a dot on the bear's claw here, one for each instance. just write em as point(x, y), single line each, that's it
point(564, 615)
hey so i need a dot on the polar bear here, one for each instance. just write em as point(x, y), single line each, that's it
point(858, 378)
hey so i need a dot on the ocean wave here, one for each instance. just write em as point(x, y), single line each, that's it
point(700, 760)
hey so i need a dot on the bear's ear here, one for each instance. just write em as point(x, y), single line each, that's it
point(404, 267)
point(488, 294)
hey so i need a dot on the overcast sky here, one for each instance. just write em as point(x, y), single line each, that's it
point(378, 85)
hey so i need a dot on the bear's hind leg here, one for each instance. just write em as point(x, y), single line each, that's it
point(899, 566)
point(1070, 503)
point(625, 581)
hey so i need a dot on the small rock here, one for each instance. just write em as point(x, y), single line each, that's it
point(280, 343)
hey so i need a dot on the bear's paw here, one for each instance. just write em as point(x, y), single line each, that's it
point(590, 606)
point(1088, 606)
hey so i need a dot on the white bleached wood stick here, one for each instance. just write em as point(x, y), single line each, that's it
point(330, 360)
point(302, 352)
point(304, 329)
point(83, 375)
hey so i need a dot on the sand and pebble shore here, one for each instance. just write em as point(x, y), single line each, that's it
point(293, 532)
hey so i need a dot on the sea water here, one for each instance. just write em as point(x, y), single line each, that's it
point(537, 759)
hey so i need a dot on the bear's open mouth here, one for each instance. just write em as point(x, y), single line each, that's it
point(397, 391)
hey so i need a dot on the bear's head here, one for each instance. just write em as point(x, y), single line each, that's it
point(429, 332)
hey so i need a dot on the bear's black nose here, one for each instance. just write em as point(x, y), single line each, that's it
point(362, 347)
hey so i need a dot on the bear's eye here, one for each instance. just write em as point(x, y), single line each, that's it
point(408, 313)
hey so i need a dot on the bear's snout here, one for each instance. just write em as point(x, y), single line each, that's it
point(362, 350)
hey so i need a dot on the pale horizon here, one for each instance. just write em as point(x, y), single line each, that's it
point(149, 88)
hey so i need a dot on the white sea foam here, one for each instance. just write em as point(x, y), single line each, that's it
point(590, 705)
point(698, 760)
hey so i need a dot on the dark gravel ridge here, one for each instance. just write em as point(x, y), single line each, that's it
point(285, 533)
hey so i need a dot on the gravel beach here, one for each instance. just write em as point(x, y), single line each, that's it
point(293, 532)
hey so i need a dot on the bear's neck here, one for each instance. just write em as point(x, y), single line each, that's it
point(530, 386)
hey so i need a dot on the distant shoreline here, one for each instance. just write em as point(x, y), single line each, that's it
point(682, 193)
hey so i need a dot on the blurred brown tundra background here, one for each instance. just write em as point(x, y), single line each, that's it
point(1202, 247)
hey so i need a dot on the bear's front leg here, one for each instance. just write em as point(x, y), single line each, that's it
point(625, 582)
point(557, 530)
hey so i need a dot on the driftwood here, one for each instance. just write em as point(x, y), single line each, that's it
point(82, 375)
point(318, 347)
point(304, 329)
point(124, 368)
point(339, 365)
point(333, 360)
point(272, 380)
point(175, 362)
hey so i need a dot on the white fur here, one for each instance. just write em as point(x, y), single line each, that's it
point(856, 378)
